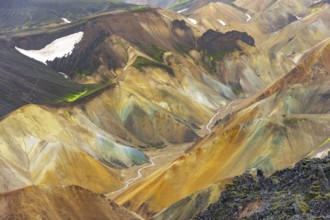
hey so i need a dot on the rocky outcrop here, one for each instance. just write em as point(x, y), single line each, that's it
point(218, 44)
point(302, 192)
point(184, 34)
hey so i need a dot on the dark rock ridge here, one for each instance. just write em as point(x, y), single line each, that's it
point(302, 192)
point(216, 43)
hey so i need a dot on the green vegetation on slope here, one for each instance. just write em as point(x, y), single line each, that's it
point(155, 52)
point(79, 95)
point(142, 62)
point(292, 121)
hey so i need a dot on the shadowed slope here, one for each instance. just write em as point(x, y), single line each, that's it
point(29, 14)
point(24, 81)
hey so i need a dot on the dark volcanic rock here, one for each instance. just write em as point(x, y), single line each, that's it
point(184, 35)
point(214, 43)
point(302, 192)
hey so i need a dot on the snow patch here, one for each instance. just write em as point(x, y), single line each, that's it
point(322, 154)
point(248, 17)
point(59, 48)
point(183, 10)
point(192, 20)
point(66, 20)
point(222, 22)
point(298, 18)
point(297, 58)
point(164, 105)
point(64, 75)
point(317, 1)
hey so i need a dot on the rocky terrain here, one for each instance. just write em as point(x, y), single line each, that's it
point(301, 192)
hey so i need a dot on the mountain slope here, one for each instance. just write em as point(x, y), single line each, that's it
point(56, 202)
point(259, 19)
point(175, 110)
point(159, 3)
point(24, 81)
point(29, 14)
point(86, 55)
point(181, 6)
point(160, 95)
point(230, 18)
point(257, 126)
point(298, 37)
point(162, 84)
point(107, 46)
point(49, 146)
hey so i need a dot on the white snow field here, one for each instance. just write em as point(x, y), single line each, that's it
point(66, 20)
point(183, 10)
point(192, 20)
point(59, 48)
point(248, 17)
point(222, 22)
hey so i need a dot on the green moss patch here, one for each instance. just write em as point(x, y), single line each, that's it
point(155, 52)
point(142, 62)
point(79, 95)
point(292, 121)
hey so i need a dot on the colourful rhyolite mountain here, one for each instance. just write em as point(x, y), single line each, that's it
point(156, 110)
